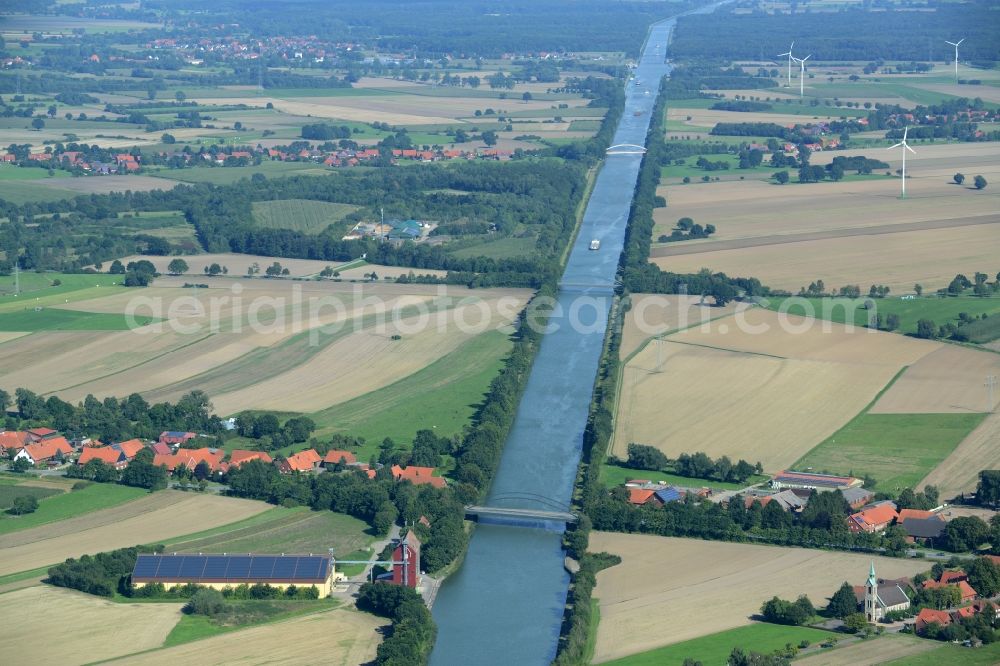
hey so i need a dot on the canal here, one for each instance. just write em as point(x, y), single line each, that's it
point(505, 603)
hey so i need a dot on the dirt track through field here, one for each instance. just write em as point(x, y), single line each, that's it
point(166, 514)
point(656, 314)
point(675, 249)
point(49, 625)
point(340, 637)
point(959, 472)
point(711, 586)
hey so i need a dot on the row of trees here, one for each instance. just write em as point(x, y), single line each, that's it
point(698, 465)
point(641, 276)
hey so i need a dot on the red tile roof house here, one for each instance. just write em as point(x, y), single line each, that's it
point(930, 616)
point(953, 577)
point(968, 594)
point(239, 456)
point(303, 461)
point(130, 447)
point(12, 440)
point(38, 434)
point(190, 459)
point(49, 450)
point(161, 449)
point(105, 454)
point(172, 437)
point(339, 457)
point(640, 496)
point(418, 475)
point(873, 519)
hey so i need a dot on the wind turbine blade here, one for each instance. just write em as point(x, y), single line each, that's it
point(905, 131)
point(952, 43)
point(907, 146)
point(896, 146)
point(807, 57)
point(960, 41)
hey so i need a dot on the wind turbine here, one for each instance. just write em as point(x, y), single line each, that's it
point(906, 147)
point(955, 44)
point(802, 70)
point(789, 54)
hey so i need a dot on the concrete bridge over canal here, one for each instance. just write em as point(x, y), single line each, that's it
point(551, 511)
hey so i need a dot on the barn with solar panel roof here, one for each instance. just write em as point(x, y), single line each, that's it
point(221, 571)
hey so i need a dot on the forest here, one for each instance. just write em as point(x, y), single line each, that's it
point(472, 27)
point(847, 35)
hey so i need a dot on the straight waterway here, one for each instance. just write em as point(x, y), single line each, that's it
point(505, 604)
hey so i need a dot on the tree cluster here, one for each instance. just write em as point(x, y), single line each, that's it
point(794, 613)
point(115, 419)
point(411, 636)
point(102, 574)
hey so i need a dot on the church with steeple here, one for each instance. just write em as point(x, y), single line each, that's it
point(881, 597)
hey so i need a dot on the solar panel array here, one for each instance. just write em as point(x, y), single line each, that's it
point(231, 568)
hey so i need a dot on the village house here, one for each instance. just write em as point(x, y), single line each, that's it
point(875, 518)
point(857, 497)
point(418, 475)
point(190, 459)
point(38, 434)
point(336, 457)
point(303, 461)
point(52, 450)
point(12, 440)
point(176, 438)
point(161, 449)
point(130, 447)
point(966, 590)
point(922, 530)
point(943, 618)
point(105, 454)
point(239, 456)
point(788, 500)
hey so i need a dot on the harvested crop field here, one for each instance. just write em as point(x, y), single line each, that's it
point(930, 257)
point(870, 653)
point(760, 331)
point(108, 184)
point(722, 586)
point(298, 530)
point(237, 334)
point(163, 515)
point(772, 250)
point(945, 381)
point(656, 314)
point(959, 472)
point(7, 336)
point(715, 387)
point(760, 408)
point(90, 628)
point(364, 361)
point(343, 637)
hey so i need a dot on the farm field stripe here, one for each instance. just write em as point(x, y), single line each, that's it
point(131, 367)
point(679, 248)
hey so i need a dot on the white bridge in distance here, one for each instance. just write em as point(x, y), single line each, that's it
point(626, 149)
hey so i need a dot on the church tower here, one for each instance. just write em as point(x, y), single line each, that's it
point(871, 596)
